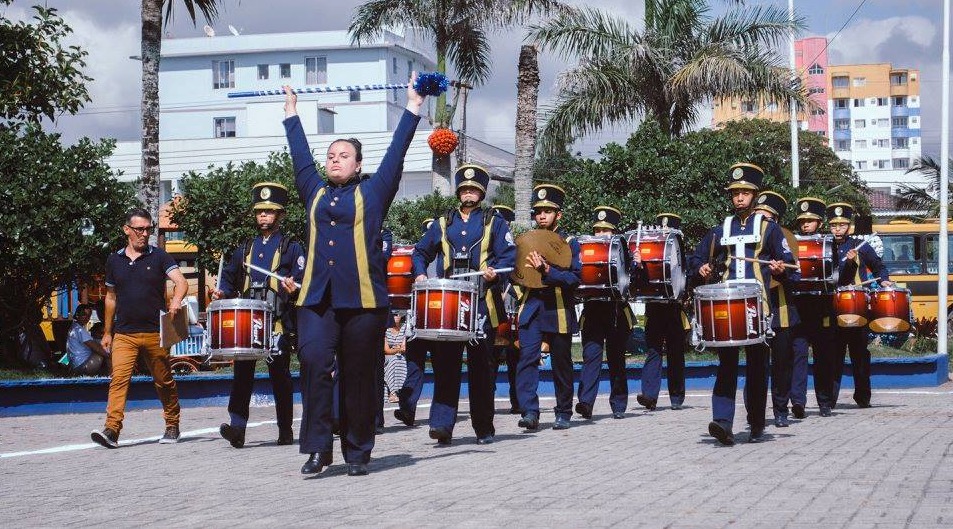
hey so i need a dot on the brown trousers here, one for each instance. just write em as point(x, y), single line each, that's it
point(125, 350)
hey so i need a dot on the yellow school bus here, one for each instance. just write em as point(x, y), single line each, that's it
point(910, 255)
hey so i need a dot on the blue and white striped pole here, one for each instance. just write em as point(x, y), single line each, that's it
point(318, 90)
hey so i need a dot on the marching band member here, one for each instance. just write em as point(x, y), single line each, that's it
point(839, 217)
point(743, 235)
point(604, 324)
point(816, 328)
point(416, 357)
point(548, 313)
point(666, 326)
point(510, 353)
point(784, 319)
point(270, 250)
point(467, 239)
point(343, 304)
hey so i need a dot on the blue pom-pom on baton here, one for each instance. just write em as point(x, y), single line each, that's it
point(431, 83)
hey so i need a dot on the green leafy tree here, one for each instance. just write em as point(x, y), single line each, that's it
point(216, 213)
point(654, 173)
point(406, 215)
point(924, 199)
point(682, 58)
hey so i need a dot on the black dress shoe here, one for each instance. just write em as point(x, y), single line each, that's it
point(756, 435)
point(403, 417)
point(647, 402)
point(317, 463)
point(781, 421)
point(529, 421)
point(486, 439)
point(234, 435)
point(584, 410)
point(442, 435)
point(721, 432)
point(356, 469)
point(562, 423)
point(798, 411)
point(618, 415)
point(825, 411)
point(286, 437)
point(862, 403)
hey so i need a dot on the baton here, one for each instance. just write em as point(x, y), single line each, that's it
point(762, 261)
point(480, 273)
point(269, 273)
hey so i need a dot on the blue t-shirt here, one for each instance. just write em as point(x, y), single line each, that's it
point(140, 288)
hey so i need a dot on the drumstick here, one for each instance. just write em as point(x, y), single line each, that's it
point(638, 235)
point(859, 246)
point(269, 273)
point(221, 264)
point(869, 281)
point(762, 261)
point(480, 273)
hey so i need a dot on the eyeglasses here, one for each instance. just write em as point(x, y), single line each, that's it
point(141, 230)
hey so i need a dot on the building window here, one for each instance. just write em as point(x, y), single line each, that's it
point(817, 112)
point(223, 74)
point(900, 143)
point(860, 144)
point(898, 79)
point(284, 70)
point(316, 70)
point(883, 143)
point(913, 100)
point(815, 90)
point(899, 121)
point(914, 120)
point(899, 101)
point(821, 133)
point(815, 69)
point(262, 72)
point(840, 82)
point(914, 141)
point(841, 145)
point(860, 123)
point(883, 122)
point(882, 101)
point(747, 106)
point(860, 81)
point(223, 127)
point(881, 164)
point(410, 68)
point(841, 124)
point(393, 65)
point(860, 164)
point(901, 163)
point(842, 103)
point(354, 95)
point(858, 103)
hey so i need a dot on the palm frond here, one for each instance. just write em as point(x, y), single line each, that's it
point(469, 51)
point(371, 18)
point(762, 25)
point(582, 32)
point(209, 9)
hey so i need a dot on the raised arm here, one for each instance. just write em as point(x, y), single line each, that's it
point(387, 177)
point(307, 177)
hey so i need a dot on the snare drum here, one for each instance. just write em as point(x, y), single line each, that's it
point(890, 310)
point(851, 305)
point(663, 258)
point(729, 315)
point(239, 329)
point(400, 277)
point(815, 256)
point(445, 310)
point(605, 274)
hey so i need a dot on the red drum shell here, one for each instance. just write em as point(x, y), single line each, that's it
point(237, 332)
point(400, 278)
point(851, 307)
point(727, 320)
point(890, 310)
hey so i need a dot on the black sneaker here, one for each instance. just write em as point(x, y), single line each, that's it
point(798, 411)
point(721, 432)
point(647, 402)
point(529, 421)
point(442, 435)
point(286, 437)
point(561, 423)
point(584, 410)
point(108, 438)
point(403, 417)
point(756, 435)
point(234, 435)
point(781, 421)
point(170, 436)
point(825, 411)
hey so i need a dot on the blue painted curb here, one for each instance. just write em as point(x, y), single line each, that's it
point(88, 394)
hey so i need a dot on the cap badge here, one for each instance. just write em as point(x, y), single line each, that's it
point(737, 173)
point(541, 194)
point(601, 215)
point(265, 193)
point(468, 174)
point(664, 222)
point(838, 211)
point(762, 199)
point(805, 206)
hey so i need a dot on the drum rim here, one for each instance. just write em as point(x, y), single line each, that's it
point(707, 291)
point(445, 284)
point(238, 303)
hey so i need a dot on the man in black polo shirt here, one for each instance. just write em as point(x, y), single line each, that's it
point(136, 287)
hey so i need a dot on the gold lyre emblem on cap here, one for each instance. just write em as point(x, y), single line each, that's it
point(762, 199)
point(601, 215)
point(541, 194)
point(468, 174)
point(805, 206)
point(838, 211)
point(737, 173)
point(265, 193)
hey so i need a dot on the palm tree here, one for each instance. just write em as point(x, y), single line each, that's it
point(151, 14)
point(920, 199)
point(527, 94)
point(683, 57)
point(459, 29)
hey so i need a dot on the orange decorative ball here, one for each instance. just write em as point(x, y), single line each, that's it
point(442, 141)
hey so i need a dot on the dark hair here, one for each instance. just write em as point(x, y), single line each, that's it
point(80, 308)
point(137, 212)
point(356, 143)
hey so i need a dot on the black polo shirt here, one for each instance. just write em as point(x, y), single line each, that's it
point(140, 288)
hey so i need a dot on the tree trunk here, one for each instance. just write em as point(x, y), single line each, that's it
point(148, 192)
point(527, 93)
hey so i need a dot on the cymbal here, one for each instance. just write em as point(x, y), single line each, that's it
point(550, 245)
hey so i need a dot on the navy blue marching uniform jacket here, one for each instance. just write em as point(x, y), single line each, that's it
point(850, 270)
point(553, 308)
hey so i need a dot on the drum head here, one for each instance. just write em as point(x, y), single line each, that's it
point(675, 257)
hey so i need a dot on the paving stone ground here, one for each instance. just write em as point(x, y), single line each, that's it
point(887, 466)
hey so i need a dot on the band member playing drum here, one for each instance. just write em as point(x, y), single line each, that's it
point(604, 323)
point(467, 239)
point(784, 319)
point(416, 359)
point(816, 328)
point(509, 351)
point(851, 257)
point(343, 304)
point(666, 326)
point(269, 250)
point(726, 254)
point(548, 314)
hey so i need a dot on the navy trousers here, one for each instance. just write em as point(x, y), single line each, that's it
point(447, 362)
point(854, 340)
point(664, 333)
point(527, 371)
point(281, 387)
point(756, 385)
point(822, 342)
point(512, 362)
point(782, 364)
point(416, 356)
point(603, 328)
point(357, 337)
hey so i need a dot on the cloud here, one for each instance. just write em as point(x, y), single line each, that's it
point(867, 41)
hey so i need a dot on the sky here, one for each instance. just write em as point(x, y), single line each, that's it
point(906, 33)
